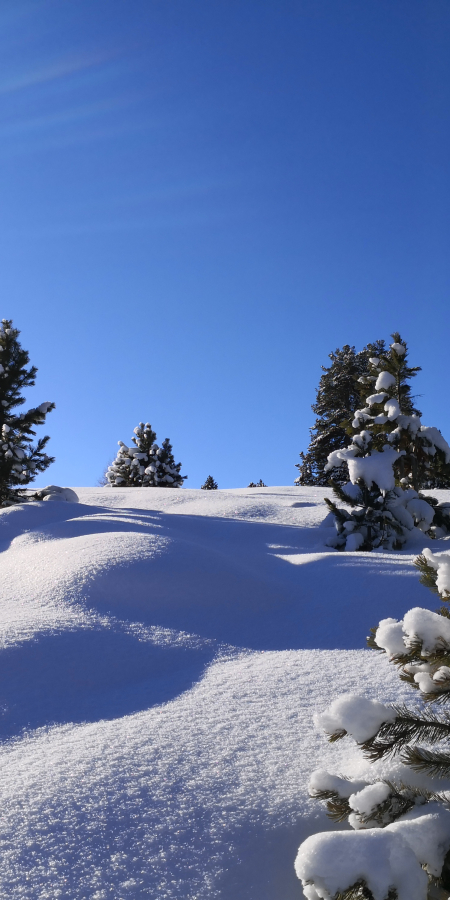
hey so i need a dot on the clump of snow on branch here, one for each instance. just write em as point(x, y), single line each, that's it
point(384, 381)
point(374, 469)
point(354, 715)
point(383, 859)
point(400, 349)
point(441, 563)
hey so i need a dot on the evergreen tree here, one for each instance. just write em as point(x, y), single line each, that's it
point(402, 809)
point(391, 456)
point(338, 396)
point(20, 460)
point(146, 464)
point(210, 484)
point(259, 483)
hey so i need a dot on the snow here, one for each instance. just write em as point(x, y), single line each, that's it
point(390, 637)
point(431, 629)
point(441, 563)
point(367, 799)
point(434, 436)
point(55, 493)
point(421, 512)
point(385, 381)
point(392, 408)
point(384, 858)
point(352, 490)
point(354, 541)
point(321, 780)
point(376, 398)
point(337, 457)
point(357, 716)
point(411, 423)
point(400, 349)
point(347, 857)
point(376, 468)
point(163, 655)
point(427, 626)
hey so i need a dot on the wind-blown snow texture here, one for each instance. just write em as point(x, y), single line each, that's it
point(162, 656)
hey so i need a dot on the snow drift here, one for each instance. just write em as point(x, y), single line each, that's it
point(162, 658)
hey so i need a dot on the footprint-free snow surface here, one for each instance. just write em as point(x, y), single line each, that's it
point(162, 655)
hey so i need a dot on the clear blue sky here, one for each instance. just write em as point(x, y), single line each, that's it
point(200, 199)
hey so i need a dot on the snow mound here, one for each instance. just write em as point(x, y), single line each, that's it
point(53, 492)
point(163, 655)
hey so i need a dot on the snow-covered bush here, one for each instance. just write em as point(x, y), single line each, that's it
point(390, 458)
point(210, 484)
point(146, 464)
point(57, 494)
point(20, 461)
point(399, 812)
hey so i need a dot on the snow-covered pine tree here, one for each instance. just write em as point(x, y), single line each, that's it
point(210, 484)
point(259, 483)
point(20, 460)
point(391, 456)
point(399, 808)
point(146, 464)
point(338, 396)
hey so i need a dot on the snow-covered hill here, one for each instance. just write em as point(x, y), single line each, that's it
point(162, 655)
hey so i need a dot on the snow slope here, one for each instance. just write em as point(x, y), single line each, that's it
point(162, 655)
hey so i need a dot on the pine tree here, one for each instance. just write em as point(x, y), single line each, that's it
point(413, 791)
point(259, 483)
point(391, 456)
point(20, 460)
point(338, 396)
point(209, 484)
point(146, 464)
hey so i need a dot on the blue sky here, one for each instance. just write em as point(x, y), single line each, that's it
point(202, 198)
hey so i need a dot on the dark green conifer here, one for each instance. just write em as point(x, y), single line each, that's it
point(20, 460)
point(209, 484)
point(338, 396)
